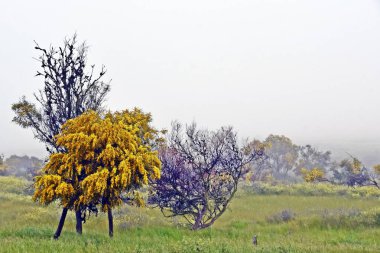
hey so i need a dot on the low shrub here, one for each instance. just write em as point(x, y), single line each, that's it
point(283, 216)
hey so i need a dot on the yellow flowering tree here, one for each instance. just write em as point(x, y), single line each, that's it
point(106, 157)
point(313, 175)
point(70, 88)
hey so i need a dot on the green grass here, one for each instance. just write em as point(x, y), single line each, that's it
point(317, 224)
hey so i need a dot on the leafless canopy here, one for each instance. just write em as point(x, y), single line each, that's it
point(200, 173)
point(69, 90)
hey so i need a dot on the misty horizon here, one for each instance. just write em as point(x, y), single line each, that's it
point(308, 70)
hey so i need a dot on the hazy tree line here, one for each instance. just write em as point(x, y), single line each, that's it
point(20, 166)
point(282, 162)
point(286, 162)
point(100, 159)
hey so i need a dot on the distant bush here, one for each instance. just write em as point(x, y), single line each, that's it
point(317, 189)
point(283, 216)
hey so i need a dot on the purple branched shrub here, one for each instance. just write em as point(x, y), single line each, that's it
point(200, 173)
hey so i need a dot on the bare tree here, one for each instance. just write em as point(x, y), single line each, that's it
point(200, 173)
point(69, 90)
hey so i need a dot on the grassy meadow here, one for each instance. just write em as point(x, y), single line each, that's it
point(284, 221)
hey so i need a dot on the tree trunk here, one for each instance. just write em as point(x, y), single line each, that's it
point(61, 223)
point(195, 226)
point(198, 220)
point(110, 222)
point(79, 222)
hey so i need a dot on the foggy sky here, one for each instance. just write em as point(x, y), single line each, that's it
point(306, 69)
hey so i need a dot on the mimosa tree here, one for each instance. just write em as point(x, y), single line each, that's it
point(106, 157)
point(313, 175)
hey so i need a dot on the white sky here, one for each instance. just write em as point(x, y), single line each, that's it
point(307, 69)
